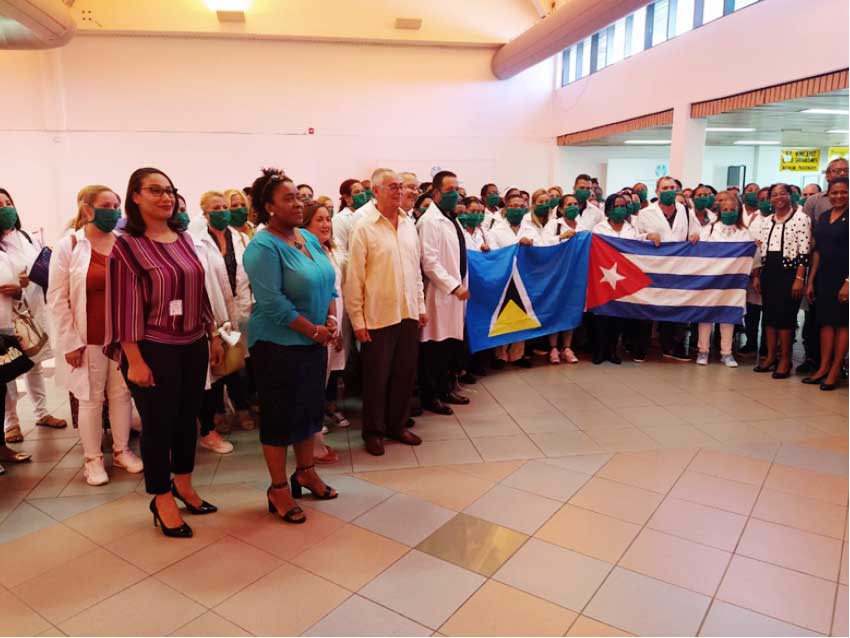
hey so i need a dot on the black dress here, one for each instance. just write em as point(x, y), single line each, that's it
point(777, 277)
point(831, 242)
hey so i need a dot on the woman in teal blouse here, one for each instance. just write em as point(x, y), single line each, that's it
point(292, 321)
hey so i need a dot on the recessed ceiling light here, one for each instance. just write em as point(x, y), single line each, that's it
point(838, 130)
point(646, 142)
point(826, 111)
point(728, 129)
point(756, 142)
point(228, 5)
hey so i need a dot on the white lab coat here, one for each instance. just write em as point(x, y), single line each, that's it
point(343, 223)
point(753, 224)
point(694, 225)
point(476, 239)
point(338, 358)
point(652, 220)
point(529, 230)
point(492, 218)
point(502, 235)
point(7, 276)
point(626, 232)
point(590, 216)
point(719, 231)
point(438, 241)
point(555, 227)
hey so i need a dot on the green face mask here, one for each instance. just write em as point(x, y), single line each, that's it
point(795, 198)
point(369, 194)
point(105, 219)
point(751, 199)
point(219, 219)
point(571, 212)
point(238, 217)
point(183, 220)
point(542, 210)
point(641, 196)
point(554, 201)
point(619, 214)
point(765, 207)
point(360, 199)
point(448, 201)
point(8, 217)
point(422, 210)
point(493, 200)
point(702, 202)
point(630, 208)
point(729, 218)
point(515, 215)
point(470, 220)
point(582, 195)
point(803, 201)
point(667, 198)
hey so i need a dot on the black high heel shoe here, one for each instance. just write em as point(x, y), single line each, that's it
point(184, 531)
point(768, 368)
point(205, 508)
point(828, 387)
point(289, 516)
point(298, 487)
point(814, 380)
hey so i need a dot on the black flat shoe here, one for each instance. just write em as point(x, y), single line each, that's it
point(438, 407)
point(290, 516)
point(768, 368)
point(467, 379)
point(453, 398)
point(813, 380)
point(522, 363)
point(183, 531)
point(781, 375)
point(615, 359)
point(409, 423)
point(498, 364)
point(828, 387)
point(416, 411)
point(205, 508)
point(297, 488)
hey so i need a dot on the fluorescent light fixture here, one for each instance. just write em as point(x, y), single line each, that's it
point(228, 5)
point(756, 142)
point(728, 129)
point(826, 111)
point(838, 130)
point(646, 142)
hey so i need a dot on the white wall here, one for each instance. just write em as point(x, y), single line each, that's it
point(212, 112)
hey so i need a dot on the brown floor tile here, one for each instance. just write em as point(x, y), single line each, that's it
point(499, 610)
point(584, 626)
point(589, 533)
point(699, 523)
point(210, 624)
point(279, 538)
point(351, 556)
point(38, 552)
point(716, 492)
point(117, 519)
point(16, 619)
point(621, 501)
point(147, 550)
point(840, 623)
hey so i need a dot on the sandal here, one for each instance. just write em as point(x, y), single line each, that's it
point(290, 516)
point(7, 455)
point(297, 487)
point(14, 434)
point(328, 458)
point(49, 421)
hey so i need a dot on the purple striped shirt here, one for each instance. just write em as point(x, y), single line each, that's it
point(155, 292)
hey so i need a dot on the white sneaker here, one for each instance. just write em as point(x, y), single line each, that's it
point(127, 460)
point(569, 356)
point(554, 356)
point(215, 443)
point(729, 361)
point(702, 359)
point(94, 472)
point(339, 419)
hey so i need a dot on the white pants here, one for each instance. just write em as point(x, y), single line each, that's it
point(104, 377)
point(34, 380)
point(511, 352)
point(726, 332)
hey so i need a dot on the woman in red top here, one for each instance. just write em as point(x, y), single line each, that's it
point(159, 321)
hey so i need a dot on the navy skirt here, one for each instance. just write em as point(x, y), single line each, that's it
point(291, 391)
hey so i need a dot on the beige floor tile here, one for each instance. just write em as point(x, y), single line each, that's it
point(117, 519)
point(489, 471)
point(556, 444)
point(307, 598)
point(803, 513)
point(129, 613)
point(545, 424)
point(401, 479)
point(796, 598)
point(732, 432)
point(724, 619)
point(396, 456)
point(677, 561)
point(840, 622)
point(792, 480)
point(623, 440)
point(360, 617)
point(78, 584)
point(499, 610)
point(842, 577)
point(484, 426)
point(793, 548)
point(626, 502)
point(514, 509)
point(351, 556)
point(284, 540)
point(439, 430)
point(219, 570)
point(452, 490)
point(715, 492)
point(16, 619)
point(446, 452)
point(210, 624)
point(600, 418)
point(699, 523)
point(474, 544)
point(650, 416)
point(547, 480)
point(588, 532)
point(730, 466)
point(146, 550)
point(405, 519)
point(679, 436)
point(505, 448)
point(655, 471)
point(39, 552)
point(584, 626)
point(584, 463)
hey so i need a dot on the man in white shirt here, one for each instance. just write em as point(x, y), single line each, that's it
point(384, 298)
point(409, 191)
point(444, 266)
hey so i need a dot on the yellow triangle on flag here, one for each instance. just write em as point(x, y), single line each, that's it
point(512, 319)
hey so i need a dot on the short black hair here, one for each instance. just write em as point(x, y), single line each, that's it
point(609, 202)
point(516, 193)
point(836, 180)
point(472, 199)
point(425, 187)
point(9, 195)
point(421, 199)
point(263, 189)
point(484, 190)
point(300, 186)
point(582, 176)
point(437, 180)
point(135, 222)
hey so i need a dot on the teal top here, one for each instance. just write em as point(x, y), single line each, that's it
point(286, 283)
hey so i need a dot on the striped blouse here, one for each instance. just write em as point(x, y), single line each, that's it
point(155, 292)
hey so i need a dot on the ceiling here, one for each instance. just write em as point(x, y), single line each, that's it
point(781, 121)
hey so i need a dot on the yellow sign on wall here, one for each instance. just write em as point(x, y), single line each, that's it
point(837, 151)
point(801, 160)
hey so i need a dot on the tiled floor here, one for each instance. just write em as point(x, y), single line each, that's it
point(664, 499)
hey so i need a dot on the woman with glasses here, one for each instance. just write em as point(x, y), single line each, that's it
point(160, 328)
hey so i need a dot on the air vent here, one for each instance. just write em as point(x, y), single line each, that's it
point(411, 24)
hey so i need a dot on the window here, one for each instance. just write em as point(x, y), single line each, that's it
point(647, 27)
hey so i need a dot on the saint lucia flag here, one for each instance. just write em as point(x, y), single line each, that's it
point(522, 292)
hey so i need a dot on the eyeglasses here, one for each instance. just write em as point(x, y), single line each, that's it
point(159, 191)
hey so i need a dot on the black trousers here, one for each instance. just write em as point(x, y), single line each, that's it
point(170, 409)
point(811, 335)
point(672, 335)
point(213, 402)
point(637, 333)
point(389, 371)
point(606, 334)
point(437, 362)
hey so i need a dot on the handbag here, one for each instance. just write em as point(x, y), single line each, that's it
point(13, 362)
point(40, 269)
point(30, 335)
point(234, 352)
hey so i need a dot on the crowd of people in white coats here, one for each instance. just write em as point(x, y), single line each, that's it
point(271, 302)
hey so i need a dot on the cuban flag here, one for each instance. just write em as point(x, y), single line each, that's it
point(676, 281)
